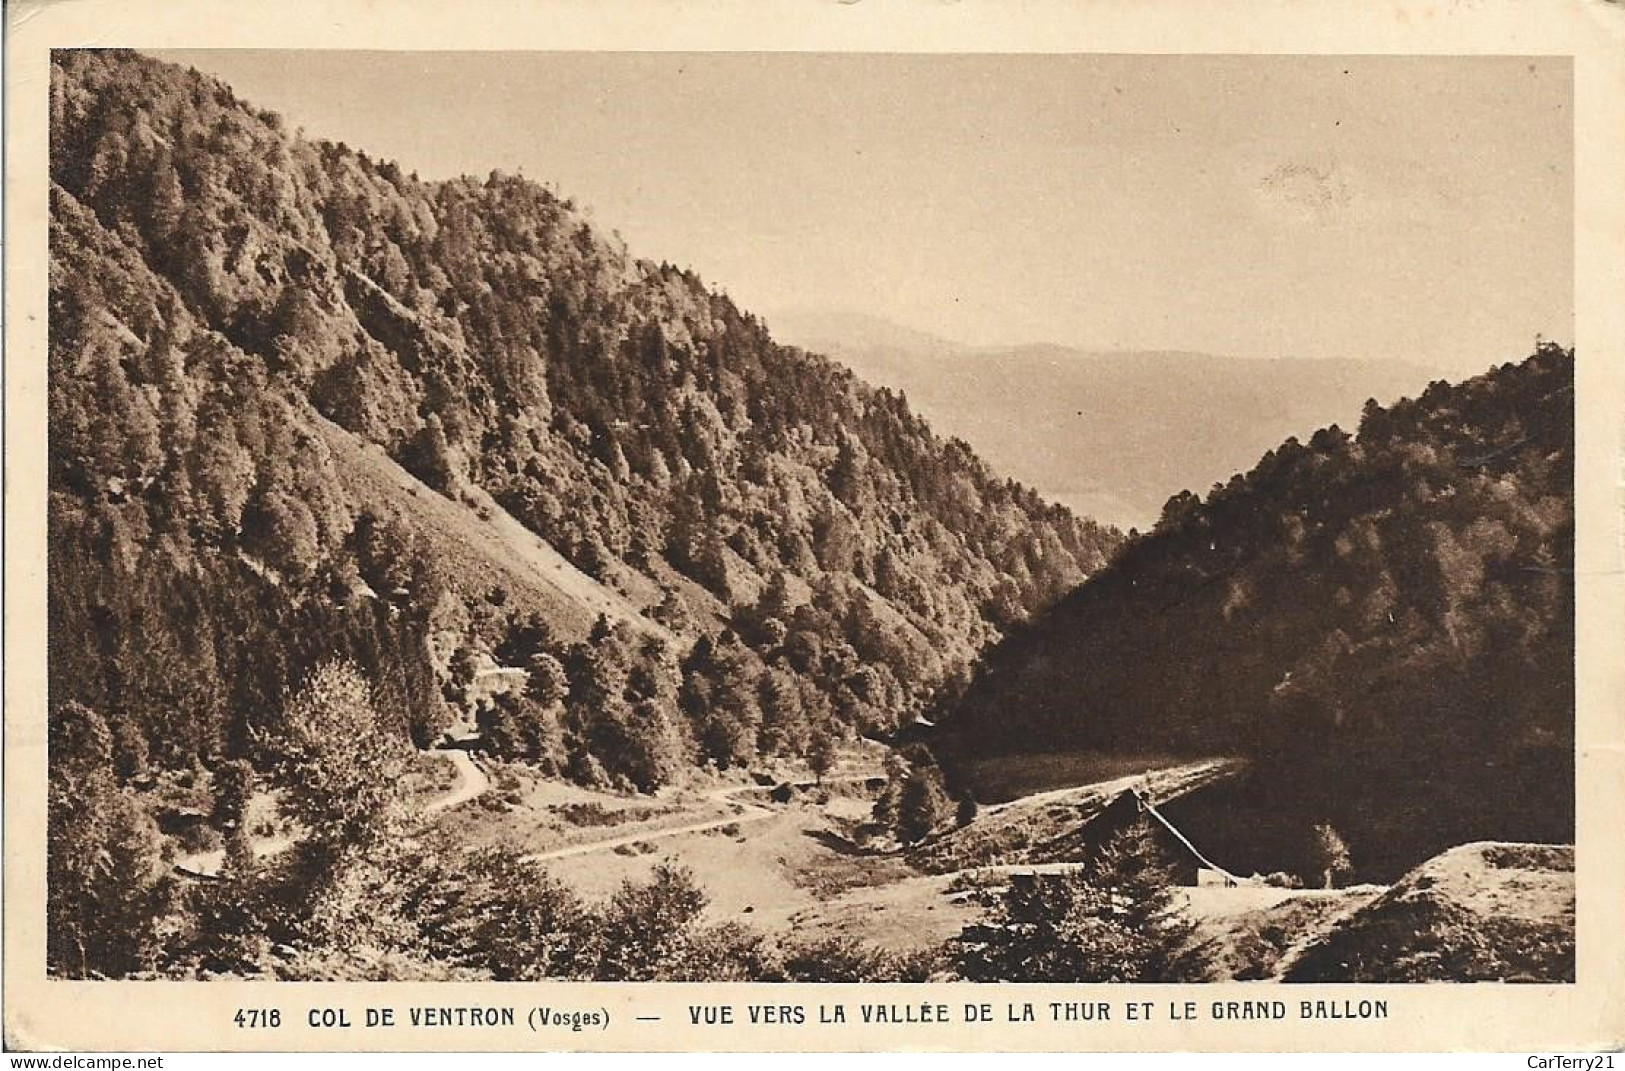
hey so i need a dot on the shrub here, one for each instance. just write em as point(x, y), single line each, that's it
point(197, 838)
point(1114, 921)
point(590, 814)
point(844, 959)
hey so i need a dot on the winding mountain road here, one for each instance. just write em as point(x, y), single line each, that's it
point(1184, 778)
point(472, 783)
point(753, 812)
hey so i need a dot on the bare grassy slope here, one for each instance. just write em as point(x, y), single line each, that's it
point(1480, 912)
point(481, 546)
point(1244, 934)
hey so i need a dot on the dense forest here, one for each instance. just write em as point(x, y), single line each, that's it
point(244, 320)
point(1383, 623)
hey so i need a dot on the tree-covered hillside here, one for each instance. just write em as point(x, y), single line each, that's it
point(1383, 623)
point(249, 329)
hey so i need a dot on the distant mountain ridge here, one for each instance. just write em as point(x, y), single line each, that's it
point(837, 332)
point(1102, 431)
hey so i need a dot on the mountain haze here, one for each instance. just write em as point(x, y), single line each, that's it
point(1111, 434)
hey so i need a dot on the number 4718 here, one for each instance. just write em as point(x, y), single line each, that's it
point(257, 1017)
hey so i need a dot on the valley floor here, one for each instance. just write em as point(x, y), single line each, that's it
point(788, 854)
point(778, 865)
point(795, 866)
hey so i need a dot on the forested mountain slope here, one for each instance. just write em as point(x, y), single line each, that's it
point(1382, 623)
point(244, 323)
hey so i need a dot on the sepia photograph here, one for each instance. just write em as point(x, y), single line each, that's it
point(810, 526)
point(811, 517)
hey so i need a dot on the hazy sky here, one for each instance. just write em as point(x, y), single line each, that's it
point(1418, 208)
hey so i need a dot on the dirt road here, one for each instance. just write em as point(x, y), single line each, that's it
point(471, 784)
point(1183, 776)
point(753, 812)
point(472, 781)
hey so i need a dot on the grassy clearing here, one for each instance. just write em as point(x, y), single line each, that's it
point(793, 871)
point(800, 867)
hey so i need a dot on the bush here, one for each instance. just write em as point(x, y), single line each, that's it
point(198, 838)
point(590, 814)
point(843, 959)
point(647, 926)
point(518, 921)
point(972, 880)
point(1114, 921)
point(914, 802)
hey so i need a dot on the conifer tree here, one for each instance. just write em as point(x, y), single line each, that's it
point(1114, 920)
